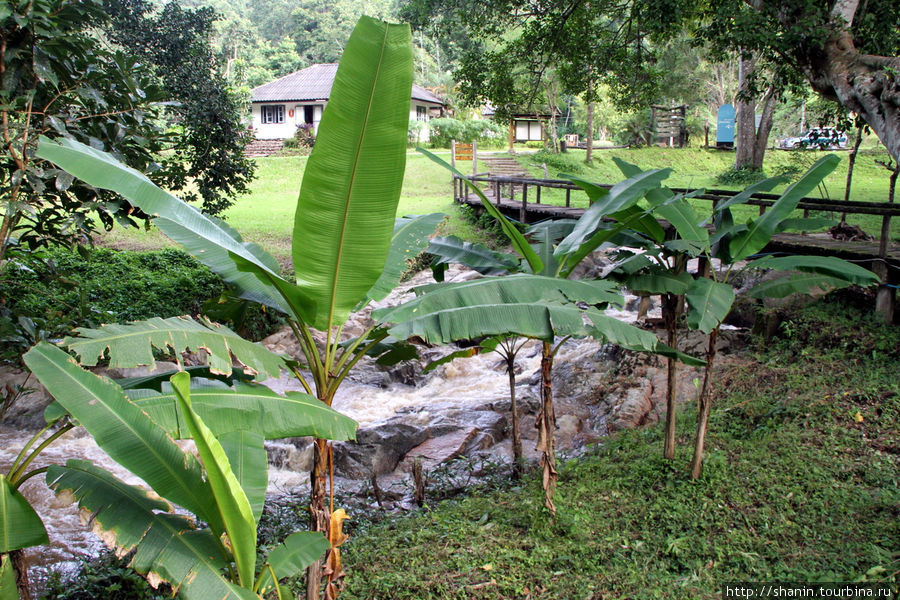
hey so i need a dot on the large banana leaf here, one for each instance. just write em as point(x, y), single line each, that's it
point(20, 526)
point(800, 283)
point(660, 281)
point(167, 544)
point(246, 407)
point(622, 196)
point(249, 461)
point(298, 551)
point(709, 302)
point(761, 229)
point(132, 344)
point(518, 241)
point(824, 265)
point(409, 239)
point(232, 502)
point(124, 432)
point(209, 240)
point(685, 221)
point(451, 249)
point(351, 184)
point(765, 185)
point(509, 290)
point(633, 338)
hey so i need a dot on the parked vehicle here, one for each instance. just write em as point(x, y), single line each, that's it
point(822, 138)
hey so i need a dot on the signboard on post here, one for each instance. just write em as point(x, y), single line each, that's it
point(464, 152)
point(725, 127)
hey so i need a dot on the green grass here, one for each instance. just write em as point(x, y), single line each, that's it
point(800, 484)
point(266, 214)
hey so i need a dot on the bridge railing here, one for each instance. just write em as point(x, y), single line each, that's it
point(498, 185)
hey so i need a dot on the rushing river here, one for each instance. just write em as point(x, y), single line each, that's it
point(462, 382)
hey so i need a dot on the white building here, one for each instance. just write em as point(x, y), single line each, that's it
point(283, 105)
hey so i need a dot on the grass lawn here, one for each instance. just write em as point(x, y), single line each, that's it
point(800, 484)
point(266, 214)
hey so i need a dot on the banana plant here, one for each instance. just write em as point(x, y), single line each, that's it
point(348, 248)
point(225, 488)
point(710, 296)
point(538, 300)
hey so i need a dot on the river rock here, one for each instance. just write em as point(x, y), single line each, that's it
point(26, 411)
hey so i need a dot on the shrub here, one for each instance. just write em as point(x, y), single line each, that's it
point(559, 162)
point(104, 576)
point(743, 177)
point(45, 294)
point(486, 133)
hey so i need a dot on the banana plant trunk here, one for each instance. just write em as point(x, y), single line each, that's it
point(704, 403)
point(17, 558)
point(518, 462)
point(319, 510)
point(546, 425)
point(670, 318)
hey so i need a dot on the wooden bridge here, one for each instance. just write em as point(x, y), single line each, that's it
point(519, 197)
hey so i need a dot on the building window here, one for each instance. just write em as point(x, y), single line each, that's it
point(421, 113)
point(273, 113)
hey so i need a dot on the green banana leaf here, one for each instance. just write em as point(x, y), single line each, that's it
point(761, 229)
point(132, 344)
point(660, 281)
point(709, 302)
point(451, 249)
point(351, 184)
point(20, 526)
point(8, 589)
point(685, 221)
point(246, 407)
point(232, 502)
point(645, 224)
point(800, 283)
point(801, 224)
point(825, 265)
point(124, 432)
point(518, 241)
point(167, 544)
point(622, 196)
point(544, 249)
point(633, 338)
point(409, 239)
point(298, 551)
point(766, 185)
point(508, 290)
point(207, 239)
point(249, 462)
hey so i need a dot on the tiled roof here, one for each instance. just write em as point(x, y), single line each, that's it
point(314, 83)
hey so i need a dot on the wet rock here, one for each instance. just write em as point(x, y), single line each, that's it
point(632, 410)
point(23, 398)
point(377, 449)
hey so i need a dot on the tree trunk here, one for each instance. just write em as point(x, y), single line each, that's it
point(17, 558)
point(850, 163)
point(319, 513)
point(862, 83)
point(765, 126)
point(546, 426)
point(745, 116)
point(704, 403)
point(518, 462)
point(752, 140)
point(589, 137)
point(670, 317)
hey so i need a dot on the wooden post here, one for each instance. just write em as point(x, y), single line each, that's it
point(523, 212)
point(512, 133)
point(886, 297)
point(539, 194)
point(497, 192)
point(706, 136)
point(568, 196)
